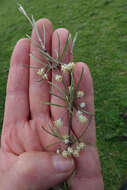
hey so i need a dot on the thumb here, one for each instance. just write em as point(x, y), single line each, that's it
point(37, 170)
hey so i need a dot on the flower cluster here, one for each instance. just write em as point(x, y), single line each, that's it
point(68, 67)
point(72, 151)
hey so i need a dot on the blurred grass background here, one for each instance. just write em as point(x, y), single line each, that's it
point(102, 44)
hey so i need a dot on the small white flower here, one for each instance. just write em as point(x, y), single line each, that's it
point(65, 153)
point(58, 151)
point(82, 145)
point(80, 94)
point(70, 150)
point(40, 71)
point(64, 68)
point(67, 67)
point(76, 153)
point(82, 118)
point(79, 112)
point(66, 139)
point(83, 104)
point(58, 78)
point(78, 148)
point(45, 76)
point(65, 136)
point(58, 123)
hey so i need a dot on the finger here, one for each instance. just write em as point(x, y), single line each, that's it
point(88, 175)
point(39, 91)
point(85, 86)
point(56, 111)
point(17, 104)
point(37, 170)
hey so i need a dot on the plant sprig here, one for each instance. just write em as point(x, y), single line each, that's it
point(69, 144)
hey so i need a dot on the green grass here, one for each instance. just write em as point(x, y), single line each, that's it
point(102, 44)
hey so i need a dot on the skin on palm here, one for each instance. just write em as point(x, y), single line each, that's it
point(25, 114)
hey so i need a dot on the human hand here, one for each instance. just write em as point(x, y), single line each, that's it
point(25, 162)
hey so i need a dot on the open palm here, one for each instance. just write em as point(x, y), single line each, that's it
point(25, 113)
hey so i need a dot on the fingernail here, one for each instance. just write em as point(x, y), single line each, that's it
point(62, 165)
